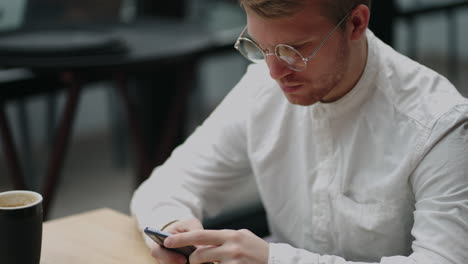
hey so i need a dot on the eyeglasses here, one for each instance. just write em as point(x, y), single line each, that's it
point(288, 55)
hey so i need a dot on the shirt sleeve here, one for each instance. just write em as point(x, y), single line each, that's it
point(202, 173)
point(440, 185)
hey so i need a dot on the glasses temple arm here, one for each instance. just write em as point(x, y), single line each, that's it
point(236, 44)
point(243, 32)
point(326, 38)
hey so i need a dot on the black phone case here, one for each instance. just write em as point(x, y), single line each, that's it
point(159, 239)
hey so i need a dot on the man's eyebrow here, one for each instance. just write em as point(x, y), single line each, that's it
point(300, 42)
point(252, 38)
point(303, 41)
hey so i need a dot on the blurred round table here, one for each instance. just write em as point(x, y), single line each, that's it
point(78, 55)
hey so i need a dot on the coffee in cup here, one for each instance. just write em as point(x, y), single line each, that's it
point(20, 227)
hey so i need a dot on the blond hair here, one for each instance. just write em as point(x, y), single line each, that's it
point(335, 9)
point(273, 8)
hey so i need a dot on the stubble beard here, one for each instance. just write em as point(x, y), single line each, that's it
point(322, 86)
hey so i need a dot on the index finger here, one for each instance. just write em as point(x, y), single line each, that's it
point(196, 237)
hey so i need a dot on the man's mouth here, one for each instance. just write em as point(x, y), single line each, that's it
point(290, 88)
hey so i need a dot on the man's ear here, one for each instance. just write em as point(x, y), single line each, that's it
point(359, 21)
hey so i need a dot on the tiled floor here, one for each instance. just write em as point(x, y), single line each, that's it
point(91, 180)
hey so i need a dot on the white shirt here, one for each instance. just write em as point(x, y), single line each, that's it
point(380, 175)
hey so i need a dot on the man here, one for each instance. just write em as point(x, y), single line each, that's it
point(359, 153)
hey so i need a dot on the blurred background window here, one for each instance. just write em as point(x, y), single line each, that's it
point(11, 14)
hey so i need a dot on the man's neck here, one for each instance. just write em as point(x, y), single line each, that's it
point(357, 64)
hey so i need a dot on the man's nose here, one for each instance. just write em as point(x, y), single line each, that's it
point(278, 69)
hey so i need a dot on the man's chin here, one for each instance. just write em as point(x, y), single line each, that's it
point(300, 100)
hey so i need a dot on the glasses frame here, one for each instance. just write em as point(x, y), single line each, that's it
point(290, 66)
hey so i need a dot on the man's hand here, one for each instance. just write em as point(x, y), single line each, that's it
point(223, 246)
point(165, 256)
point(184, 226)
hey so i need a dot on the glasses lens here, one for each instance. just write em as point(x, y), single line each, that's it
point(249, 50)
point(291, 57)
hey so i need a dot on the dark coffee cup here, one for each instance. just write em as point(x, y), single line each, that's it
point(20, 227)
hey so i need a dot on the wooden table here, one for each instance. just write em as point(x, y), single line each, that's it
point(102, 236)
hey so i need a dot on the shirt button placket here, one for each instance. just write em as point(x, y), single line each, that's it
point(318, 229)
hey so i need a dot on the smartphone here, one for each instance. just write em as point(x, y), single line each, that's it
point(159, 236)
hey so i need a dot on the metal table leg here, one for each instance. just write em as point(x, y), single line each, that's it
point(60, 145)
point(10, 151)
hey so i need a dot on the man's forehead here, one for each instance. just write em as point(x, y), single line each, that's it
point(283, 8)
point(290, 30)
